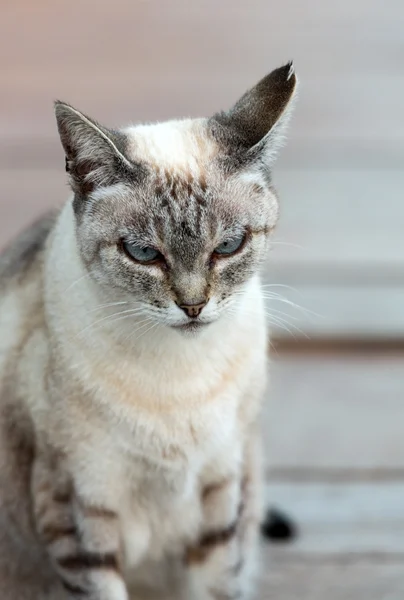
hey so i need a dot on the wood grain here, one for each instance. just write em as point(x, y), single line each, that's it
point(332, 581)
point(142, 60)
point(335, 412)
point(343, 521)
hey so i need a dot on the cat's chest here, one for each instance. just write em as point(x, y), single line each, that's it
point(178, 418)
point(165, 474)
point(161, 515)
point(172, 429)
point(165, 450)
point(164, 511)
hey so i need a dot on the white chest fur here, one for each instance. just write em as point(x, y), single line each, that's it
point(173, 430)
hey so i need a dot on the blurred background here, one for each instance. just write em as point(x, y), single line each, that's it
point(334, 425)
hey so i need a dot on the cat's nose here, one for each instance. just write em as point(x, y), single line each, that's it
point(193, 310)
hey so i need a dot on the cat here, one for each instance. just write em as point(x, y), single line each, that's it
point(133, 361)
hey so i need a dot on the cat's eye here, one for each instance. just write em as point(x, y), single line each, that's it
point(142, 254)
point(231, 246)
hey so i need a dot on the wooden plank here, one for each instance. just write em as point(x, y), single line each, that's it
point(338, 310)
point(343, 521)
point(175, 72)
point(336, 218)
point(335, 412)
point(330, 581)
point(341, 249)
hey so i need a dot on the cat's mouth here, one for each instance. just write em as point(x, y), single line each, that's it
point(191, 327)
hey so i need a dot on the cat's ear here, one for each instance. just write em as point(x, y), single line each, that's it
point(94, 154)
point(255, 126)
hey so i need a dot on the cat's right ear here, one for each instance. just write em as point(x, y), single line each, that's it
point(253, 130)
point(95, 155)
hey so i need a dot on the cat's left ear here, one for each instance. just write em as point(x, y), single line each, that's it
point(94, 154)
point(254, 129)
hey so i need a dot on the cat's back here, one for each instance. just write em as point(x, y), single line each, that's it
point(21, 267)
point(24, 252)
point(21, 314)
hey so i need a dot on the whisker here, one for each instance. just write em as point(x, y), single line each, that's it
point(69, 287)
point(272, 347)
point(283, 324)
point(280, 321)
point(274, 296)
point(281, 313)
point(146, 331)
point(278, 298)
point(128, 317)
point(132, 311)
point(142, 324)
point(280, 285)
point(101, 306)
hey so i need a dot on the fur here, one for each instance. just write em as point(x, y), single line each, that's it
point(129, 441)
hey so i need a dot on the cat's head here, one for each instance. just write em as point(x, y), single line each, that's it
point(176, 216)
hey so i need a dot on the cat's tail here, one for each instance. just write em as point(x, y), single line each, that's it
point(278, 527)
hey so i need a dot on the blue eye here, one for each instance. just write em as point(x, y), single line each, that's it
point(230, 246)
point(142, 254)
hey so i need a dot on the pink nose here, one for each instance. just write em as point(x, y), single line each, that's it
point(193, 310)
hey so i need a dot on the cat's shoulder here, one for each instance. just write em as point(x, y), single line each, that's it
point(22, 252)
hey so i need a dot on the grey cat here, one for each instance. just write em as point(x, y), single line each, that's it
point(133, 361)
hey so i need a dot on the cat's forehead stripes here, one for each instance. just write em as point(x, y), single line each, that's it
point(182, 200)
point(179, 187)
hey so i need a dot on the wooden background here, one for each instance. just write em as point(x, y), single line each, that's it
point(334, 424)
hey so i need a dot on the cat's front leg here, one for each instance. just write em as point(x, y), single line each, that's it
point(222, 565)
point(83, 540)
